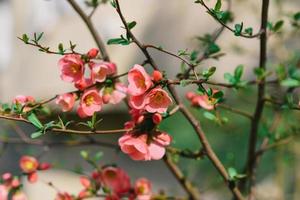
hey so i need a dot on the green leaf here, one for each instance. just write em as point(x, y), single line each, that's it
point(84, 154)
point(121, 41)
point(212, 48)
point(209, 116)
point(230, 78)
point(98, 156)
point(113, 4)
point(281, 73)
point(238, 28)
point(25, 38)
point(289, 82)
point(218, 95)
point(35, 121)
point(209, 72)
point(249, 31)
point(278, 25)
point(238, 72)
point(39, 36)
point(36, 134)
point(296, 16)
point(131, 25)
point(232, 173)
point(61, 48)
point(218, 5)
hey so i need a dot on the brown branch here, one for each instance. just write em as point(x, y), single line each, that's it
point(91, 28)
point(259, 103)
point(189, 188)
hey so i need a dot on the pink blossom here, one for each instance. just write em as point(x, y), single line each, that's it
point(114, 95)
point(157, 76)
point(66, 101)
point(64, 196)
point(116, 180)
point(143, 189)
point(138, 148)
point(4, 192)
point(139, 81)
point(203, 101)
point(19, 196)
point(92, 53)
point(72, 68)
point(99, 71)
point(83, 83)
point(22, 100)
point(90, 103)
point(157, 100)
point(28, 164)
point(137, 102)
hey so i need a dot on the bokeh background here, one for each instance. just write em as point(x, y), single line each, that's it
point(174, 25)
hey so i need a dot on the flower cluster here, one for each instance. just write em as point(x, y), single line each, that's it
point(148, 102)
point(94, 81)
point(113, 183)
point(11, 184)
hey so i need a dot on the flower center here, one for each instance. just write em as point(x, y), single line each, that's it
point(75, 68)
point(29, 165)
point(89, 100)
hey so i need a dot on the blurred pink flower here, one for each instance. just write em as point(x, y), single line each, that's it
point(28, 164)
point(83, 83)
point(90, 103)
point(203, 100)
point(72, 68)
point(22, 100)
point(116, 179)
point(114, 95)
point(139, 81)
point(99, 71)
point(143, 189)
point(19, 196)
point(66, 101)
point(4, 190)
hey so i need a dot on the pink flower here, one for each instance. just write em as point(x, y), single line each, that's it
point(90, 103)
point(116, 180)
point(22, 100)
point(83, 83)
point(66, 101)
point(93, 53)
point(203, 101)
point(28, 164)
point(72, 68)
point(137, 102)
point(157, 76)
point(139, 81)
point(114, 95)
point(143, 189)
point(4, 192)
point(19, 196)
point(99, 71)
point(138, 148)
point(157, 100)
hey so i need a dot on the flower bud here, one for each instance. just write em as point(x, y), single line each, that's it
point(93, 53)
point(157, 76)
point(106, 98)
point(44, 166)
point(156, 118)
point(140, 119)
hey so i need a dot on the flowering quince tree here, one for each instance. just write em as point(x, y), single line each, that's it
point(151, 97)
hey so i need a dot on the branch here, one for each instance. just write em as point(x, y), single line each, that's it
point(68, 131)
point(91, 28)
point(259, 103)
point(237, 111)
point(188, 187)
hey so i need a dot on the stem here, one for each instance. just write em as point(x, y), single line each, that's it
point(188, 187)
point(91, 28)
point(259, 102)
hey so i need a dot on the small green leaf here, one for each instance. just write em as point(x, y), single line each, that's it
point(278, 25)
point(98, 156)
point(296, 16)
point(249, 31)
point(212, 48)
point(84, 154)
point(25, 38)
point(238, 72)
point(35, 121)
point(218, 5)
point(238, 28)
point(209, 116)
point(36, 134)
point(289, 82)
point(232, 173)
point(209, 72)
point(131, 25)
point(61, 48)
point(113, 3)
point(231, 79)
